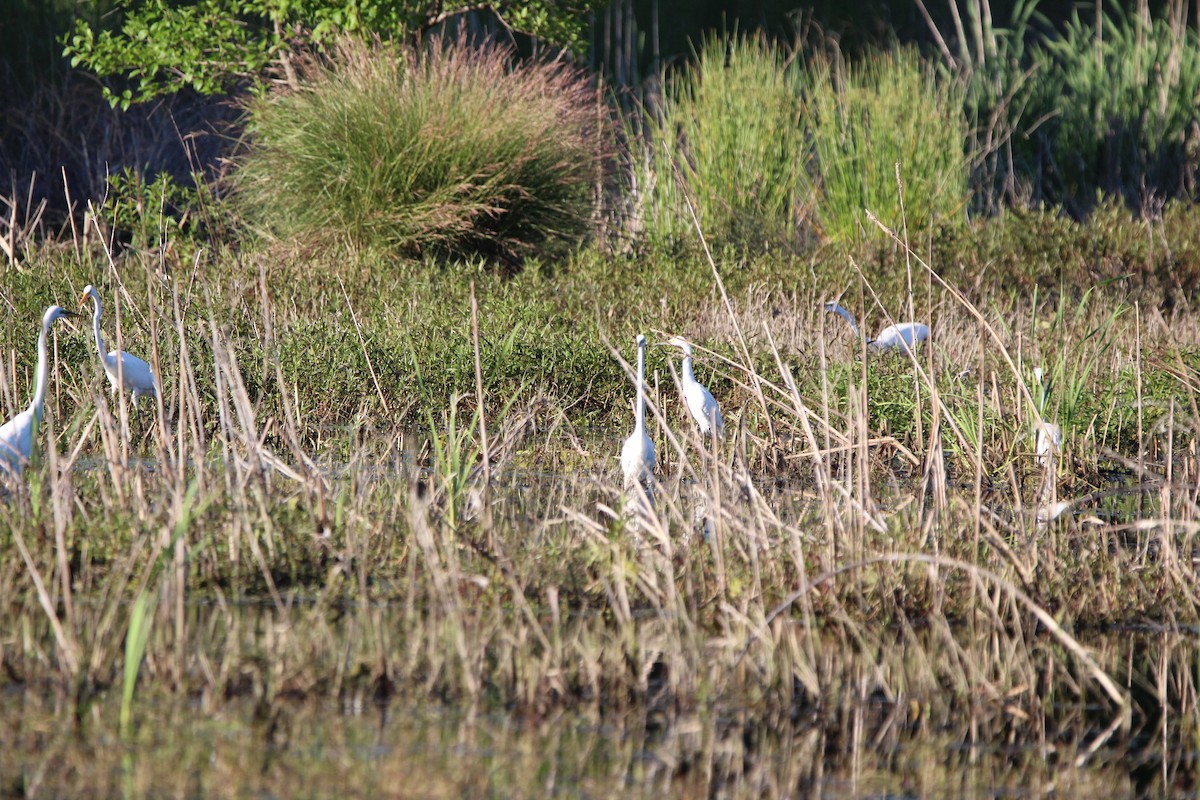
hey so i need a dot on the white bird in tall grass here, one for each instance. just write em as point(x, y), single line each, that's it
point(1049, 442)
point(901, 336)
point(16, 435)
point(134, 374)
point(700, 401)
point(1049, 434)
point(637, 454)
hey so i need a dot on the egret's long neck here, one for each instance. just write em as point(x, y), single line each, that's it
point(641, 388)
point(846, 315)
point(39, 377)
point(688, 375)
point(96, 325)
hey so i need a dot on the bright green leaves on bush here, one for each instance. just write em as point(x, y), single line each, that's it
point(162, 48)
point(210, 45)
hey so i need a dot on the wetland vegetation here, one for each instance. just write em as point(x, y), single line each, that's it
point(371, 536)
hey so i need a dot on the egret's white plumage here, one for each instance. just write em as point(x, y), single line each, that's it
point(134, 374)
point(700, 401)
point(1049, 442)
point(901, 336)
point(1049, 434)
point(16, 435)
point(637, 454)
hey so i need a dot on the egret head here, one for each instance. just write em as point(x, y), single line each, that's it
point(836, 308)
point(55, 312)
point(89, 293)
point(681, 343)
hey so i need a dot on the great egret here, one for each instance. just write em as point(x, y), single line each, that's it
point(16, 435)
point(134, 374)
point(1049, 442)
point(1049, 434)
point(894, 337)
point(700, 401)
point(637, 454)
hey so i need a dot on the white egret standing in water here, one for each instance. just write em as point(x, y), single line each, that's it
point(700, 401)
point(901, 336)
point(637, 454)
point(134, 374)
point(16, 435)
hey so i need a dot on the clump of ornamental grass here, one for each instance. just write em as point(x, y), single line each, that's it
point(450, 148)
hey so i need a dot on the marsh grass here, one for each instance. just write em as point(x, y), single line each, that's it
point(881, 512)
point(1126, 75)
point(1113, 83)
point(864, 119)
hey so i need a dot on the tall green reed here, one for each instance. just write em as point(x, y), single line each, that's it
point(866, 118)
point(730, 126)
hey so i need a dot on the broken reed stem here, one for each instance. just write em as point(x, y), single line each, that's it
point(363, 344)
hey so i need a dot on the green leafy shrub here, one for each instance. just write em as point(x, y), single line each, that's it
point(730, 125)
point(158, 212)
point(866, 118)
point(449, 149)
point(161, 46)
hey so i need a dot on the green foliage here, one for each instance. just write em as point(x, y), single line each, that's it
point(154, 212)
point(136, 637)
point(1064, 394)
point(1093, 107)
point(449, 150)
point(730, 126)
point(209, 45)
point(996, 85)
point(864, 120)
point(163, 48)
point(1120, 110)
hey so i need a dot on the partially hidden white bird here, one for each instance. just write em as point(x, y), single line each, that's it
point(134, 374)
point(901, 336)
point(16, 435)
point(637, 454)
point(1049, 442)
point(700, 401)
point(1049, 434)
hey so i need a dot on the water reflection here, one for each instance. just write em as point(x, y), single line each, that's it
point(853, 741)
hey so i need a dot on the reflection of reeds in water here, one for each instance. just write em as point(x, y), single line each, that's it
point(354, 745)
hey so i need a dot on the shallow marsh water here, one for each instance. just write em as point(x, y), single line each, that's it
point(865, 745)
